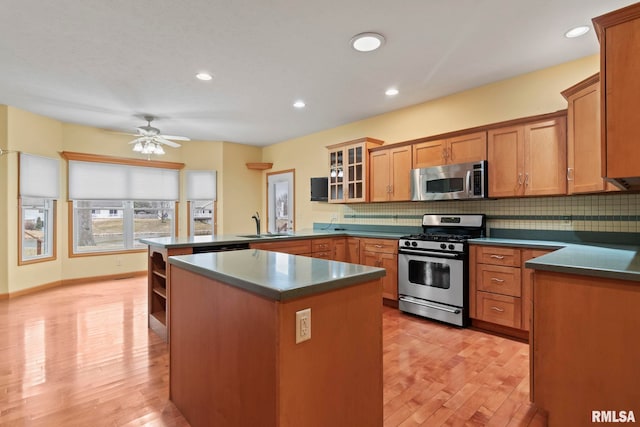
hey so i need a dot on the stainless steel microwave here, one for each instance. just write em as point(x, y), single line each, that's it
point(447, 182)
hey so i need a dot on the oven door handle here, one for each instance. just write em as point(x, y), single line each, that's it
point(426, 304)
point(433, 254)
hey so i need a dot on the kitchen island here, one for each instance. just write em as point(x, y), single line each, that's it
point(234, 359)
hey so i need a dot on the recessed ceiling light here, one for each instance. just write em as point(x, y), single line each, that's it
point(391, 92)
point(577, 32)
point(204, 76)
point(299, 104)
point(366, 42)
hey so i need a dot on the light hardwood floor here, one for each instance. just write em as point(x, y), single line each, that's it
point(82, 356)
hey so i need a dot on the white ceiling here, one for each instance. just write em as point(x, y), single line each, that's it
point(106, 63)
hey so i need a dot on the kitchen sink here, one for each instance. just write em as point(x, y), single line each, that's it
point(262, 236)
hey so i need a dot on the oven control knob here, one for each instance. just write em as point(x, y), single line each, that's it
point(407, 243)
point(414, 244)
point(451, 247)
point(443, 246)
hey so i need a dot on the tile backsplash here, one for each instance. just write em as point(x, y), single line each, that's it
point(614, 212)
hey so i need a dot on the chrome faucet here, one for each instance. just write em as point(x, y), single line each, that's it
point(256, 218)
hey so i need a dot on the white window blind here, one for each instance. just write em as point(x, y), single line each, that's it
point(201, 185)
point(108, 181)
point(39, 177)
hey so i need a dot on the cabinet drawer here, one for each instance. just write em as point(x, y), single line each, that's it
point(499, 279)
point(499, 256)
point(318, 245)
point(379, 245)
point(322, 254)
point(499, 309)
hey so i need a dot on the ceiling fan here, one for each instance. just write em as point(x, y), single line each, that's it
point(150, 141)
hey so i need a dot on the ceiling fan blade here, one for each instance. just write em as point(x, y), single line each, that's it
point(177, 138)
point(164, 141)
point(141, 139)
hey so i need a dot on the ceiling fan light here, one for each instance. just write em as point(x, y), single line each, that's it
point(159, 151)
point(137, 147)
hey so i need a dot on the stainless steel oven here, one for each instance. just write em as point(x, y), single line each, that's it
point(433, 268)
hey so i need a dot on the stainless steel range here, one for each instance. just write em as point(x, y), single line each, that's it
point(433, 267)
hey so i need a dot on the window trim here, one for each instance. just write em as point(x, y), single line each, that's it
point(54, 236)
point(99, 158)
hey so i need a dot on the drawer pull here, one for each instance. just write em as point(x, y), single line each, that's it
point(495, 279)
point(379, 246)
point(498, 309)
point(497, 256)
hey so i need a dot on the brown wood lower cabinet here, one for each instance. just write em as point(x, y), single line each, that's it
point(585, 348)
point(294, 247)
point(500, 289)
point(382, 253)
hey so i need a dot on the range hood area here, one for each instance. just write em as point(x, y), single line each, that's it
point(629, 184)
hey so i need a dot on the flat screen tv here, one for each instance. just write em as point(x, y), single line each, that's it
point(320, 189)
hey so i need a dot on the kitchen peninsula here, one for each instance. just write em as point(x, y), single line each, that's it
point(584, 300)
point(234, 359)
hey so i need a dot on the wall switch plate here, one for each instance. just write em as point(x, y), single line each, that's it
point(303, 325)
point(334, 217)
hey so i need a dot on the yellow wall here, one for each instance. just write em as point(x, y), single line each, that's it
point(526, 95)
point(241, 191)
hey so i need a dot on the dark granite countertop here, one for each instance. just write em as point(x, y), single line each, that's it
point(274, 275)
point(596, 259)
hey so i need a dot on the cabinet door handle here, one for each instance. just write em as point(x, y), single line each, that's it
point(519, 178)
point(497, 256)
point(450, 154)
point(569, 174)
point(495, 279)
point(526, 179)
point(498, 309)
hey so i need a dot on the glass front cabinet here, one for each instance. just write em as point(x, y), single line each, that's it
point(349, 170)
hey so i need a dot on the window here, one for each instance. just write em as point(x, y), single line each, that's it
point(118, 225)
point(117, 202)
point(38, 189)
point(202, 217)
point(37, 223)
point(201, 193)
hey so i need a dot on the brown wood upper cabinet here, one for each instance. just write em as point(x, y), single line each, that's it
point(619, 35)
point(389, 174)
point(529, 159)
point(460, 149)
point(584, 160)
point(349, 170)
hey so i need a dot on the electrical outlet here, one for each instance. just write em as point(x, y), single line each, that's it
point(118, 262)
point(334, 217)
point(303, 325)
